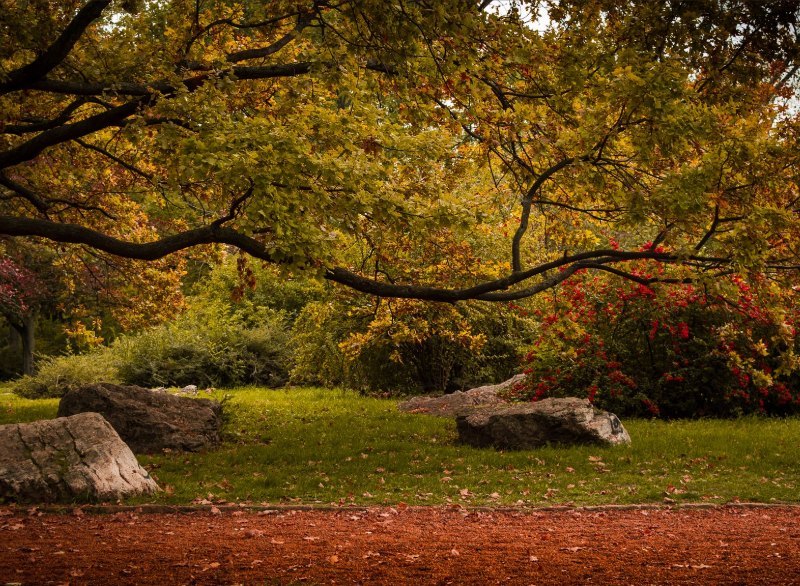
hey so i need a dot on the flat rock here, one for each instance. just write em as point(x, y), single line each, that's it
point(76, 459)
point(459, 402)
point(149, 421)
point(521, 426)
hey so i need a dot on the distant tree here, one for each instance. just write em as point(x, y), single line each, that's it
point(21, 293)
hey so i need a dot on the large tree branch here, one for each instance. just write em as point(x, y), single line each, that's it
point(494, 290)
point(552, 273)
point(75, 234)
point(31, 148)
point(55, 53)
point(79, 88)
point(497, 289)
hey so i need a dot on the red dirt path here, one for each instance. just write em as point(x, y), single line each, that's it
point(405, 546)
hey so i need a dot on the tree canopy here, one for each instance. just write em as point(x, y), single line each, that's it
point(351, 137)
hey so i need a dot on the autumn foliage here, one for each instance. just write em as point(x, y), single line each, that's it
point(19, 290)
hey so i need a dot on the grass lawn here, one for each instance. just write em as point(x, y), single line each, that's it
point(318, 446)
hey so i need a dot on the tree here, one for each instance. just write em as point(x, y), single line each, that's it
point(294, 130)
point(21, 293)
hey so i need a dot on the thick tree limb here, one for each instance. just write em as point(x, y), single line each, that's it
point(55, 53)
point(30, 149)
point(215, 233)
point(552, 273)
point(495, 290)
point(78, 88)
point(75, 234)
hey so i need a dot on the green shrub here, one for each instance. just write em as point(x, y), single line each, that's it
point(58, 374)
point(208, 346)
point(405, 346)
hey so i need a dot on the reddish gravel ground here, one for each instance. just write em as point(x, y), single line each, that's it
point(403, 546)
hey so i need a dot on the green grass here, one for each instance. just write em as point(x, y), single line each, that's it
point(316, 446)
point(14, 409)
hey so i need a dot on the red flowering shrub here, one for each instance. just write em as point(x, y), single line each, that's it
point(676, 351)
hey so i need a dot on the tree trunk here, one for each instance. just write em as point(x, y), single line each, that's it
point(26, 331)
point(14, 339)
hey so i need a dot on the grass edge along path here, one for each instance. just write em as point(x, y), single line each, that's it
point(334, 448)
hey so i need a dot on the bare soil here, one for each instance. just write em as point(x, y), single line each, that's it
point(402, 545)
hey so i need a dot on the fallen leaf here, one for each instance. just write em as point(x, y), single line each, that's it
point(454, 551)
point(572, 549)
point(333, 559)
point(533, 558)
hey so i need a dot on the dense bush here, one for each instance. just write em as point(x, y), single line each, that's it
point(208, 346)
point(58, 374)
point(401, 346)
point(679, 351)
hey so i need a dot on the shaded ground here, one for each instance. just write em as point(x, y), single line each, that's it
point(403, 546)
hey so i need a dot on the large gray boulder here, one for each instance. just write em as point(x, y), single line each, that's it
point(149, 421)
point(75, 459)
point(522, 426)
point(460, 401)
